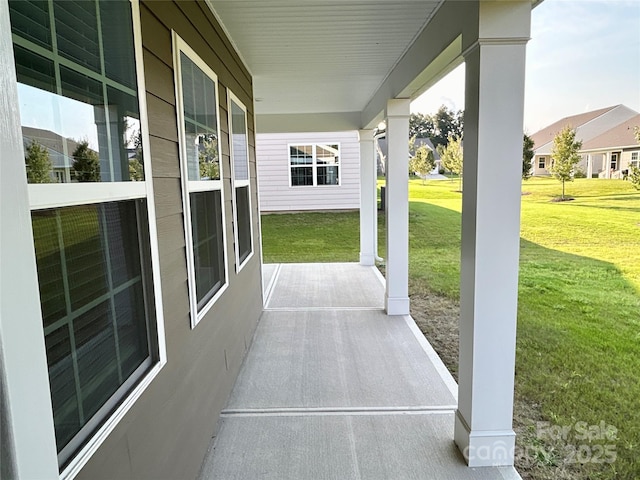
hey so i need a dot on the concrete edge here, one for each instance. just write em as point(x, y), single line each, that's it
point(437, 362)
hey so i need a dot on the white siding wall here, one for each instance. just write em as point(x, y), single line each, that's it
point(275, 194)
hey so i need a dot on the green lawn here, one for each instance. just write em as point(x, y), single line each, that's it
point(578, 347)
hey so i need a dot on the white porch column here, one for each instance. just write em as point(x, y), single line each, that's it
point(589, 166)
point(26, 420)
point(368, 204)
point(396, 297)
point(493, 121)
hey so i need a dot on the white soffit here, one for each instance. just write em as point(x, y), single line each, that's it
point(321, 56)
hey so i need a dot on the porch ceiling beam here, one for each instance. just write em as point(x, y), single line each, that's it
point(308, 122)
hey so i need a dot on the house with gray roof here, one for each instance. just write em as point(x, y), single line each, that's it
point(608, 144)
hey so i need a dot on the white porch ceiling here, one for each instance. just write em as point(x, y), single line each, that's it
point(321, 56)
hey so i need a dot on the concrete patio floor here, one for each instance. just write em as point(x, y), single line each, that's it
point(333, 388)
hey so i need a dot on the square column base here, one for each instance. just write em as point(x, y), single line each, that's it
point(367, 260)
point(396, 305)
point(490, 448)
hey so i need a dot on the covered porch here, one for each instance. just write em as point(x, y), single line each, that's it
point(332, 387)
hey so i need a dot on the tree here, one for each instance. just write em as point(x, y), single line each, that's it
point(527, 157)
point(208, 158)
point(38, 163)
point(437, 127)
point(422, 162)
point(564, 156)
point(447, 124)
point(136, 170)
point(86, 163)
point(451, 156)
point(421, 126)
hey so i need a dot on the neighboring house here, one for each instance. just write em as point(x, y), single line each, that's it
point(308, 171)
point(382, 151)
point(127, 307)
point(610, 154)
point(60, 151)
point(597, 130)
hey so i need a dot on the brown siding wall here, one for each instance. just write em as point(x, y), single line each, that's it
point(167, 432)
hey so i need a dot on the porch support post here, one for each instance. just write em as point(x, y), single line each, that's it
point(26, 419)
point(368, 213)
point(493, 129)
point(397, 218)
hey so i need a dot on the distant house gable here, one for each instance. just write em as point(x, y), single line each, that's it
point(587, 125)
point(604, 133)
point(620, 136)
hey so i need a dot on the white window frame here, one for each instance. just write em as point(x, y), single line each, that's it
point(43, 196)
point(543, 161)
point(235, 184)
point(635, 162)
point(192, 186)
point(614, 158)
point(314, 164)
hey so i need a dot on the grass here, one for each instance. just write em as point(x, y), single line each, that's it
point(578, 346)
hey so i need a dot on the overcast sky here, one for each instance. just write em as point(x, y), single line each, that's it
point(583, 55)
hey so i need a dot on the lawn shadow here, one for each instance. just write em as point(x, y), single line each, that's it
point(578, 344)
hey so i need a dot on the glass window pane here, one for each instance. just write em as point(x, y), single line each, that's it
point(328, 176)
point(301, 154)
point(126, 140)
point(243, 222)
point(132, 334)
point(66, 414)
point(96, 355)
point(200, 122)
point(92, 274)
point(76, 128)
point(77, 32)
point(208, 248)
point(34, 70)
point(327, 154)
point(50, 271)
point(30, 20)
point(117, 39)
point(239, 139)
point(301, 176)
point(85, 261)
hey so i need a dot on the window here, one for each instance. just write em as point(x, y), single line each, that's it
point(242, 193)
point(97, 274)
point(316, 164)
point(197, 94)
point(542, 162)
point(614, 161)
point(635, 162)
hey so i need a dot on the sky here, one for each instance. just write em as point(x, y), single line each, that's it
point(583, 55)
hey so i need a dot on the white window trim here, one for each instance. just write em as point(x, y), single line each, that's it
point(634, 162)
point(314, 165)
point(189, 186)
point(231, 97)
point(540, 160)
point(48, 196)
